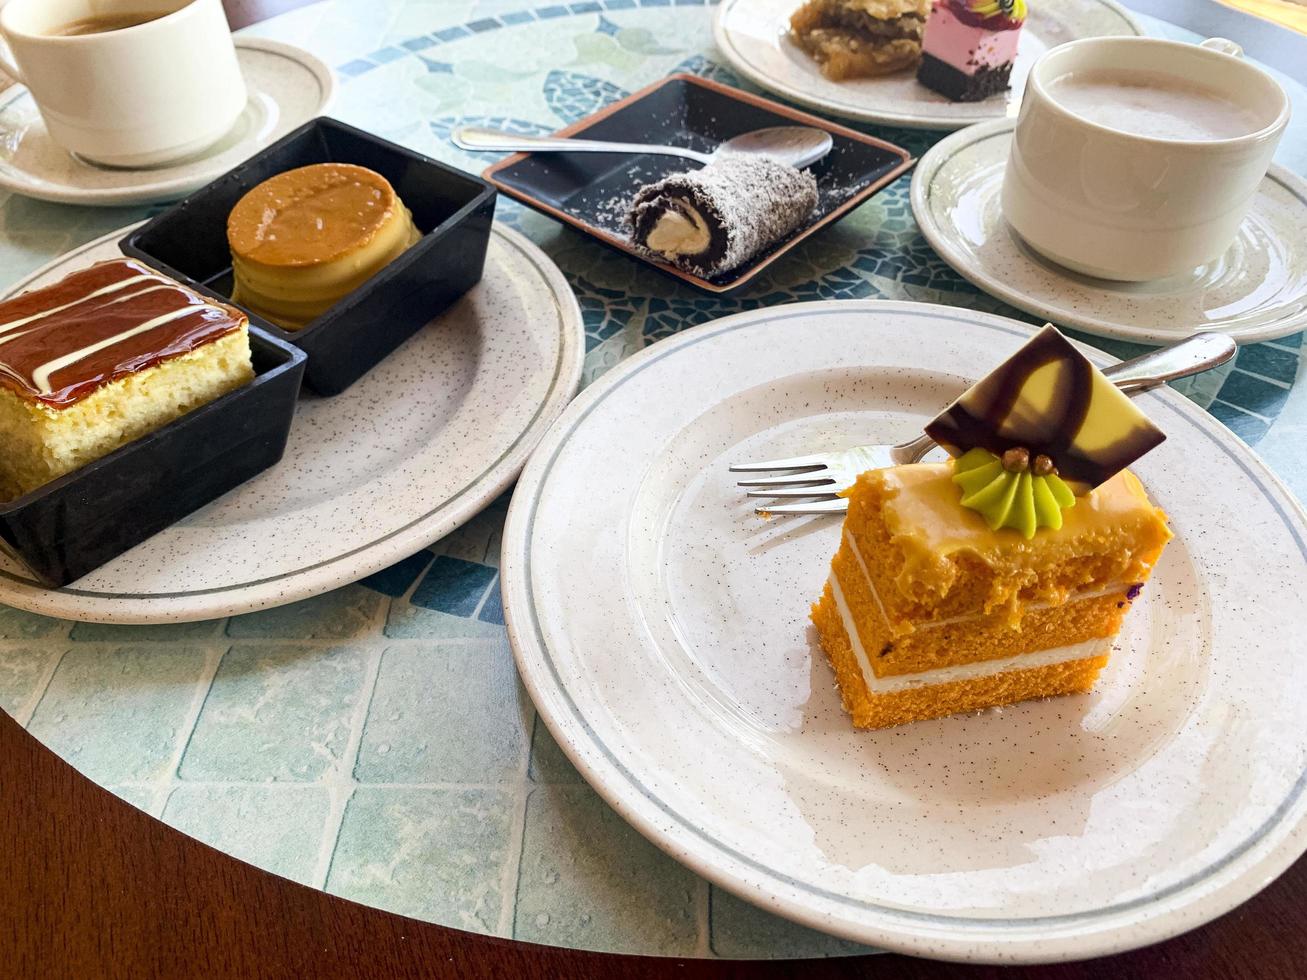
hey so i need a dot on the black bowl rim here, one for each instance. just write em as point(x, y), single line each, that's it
point(294, 359)
point(485, 191)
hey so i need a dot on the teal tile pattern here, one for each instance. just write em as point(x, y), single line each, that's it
point(376, 741)
point(437, 854)
point(23, 669)
point(277, 828)
point(548, 762)
point(118, 714)
point(260, 696)
point(331, 616)
point(744, 931)
point(423, 685)
point(165, 633)
point(589, 880)
point(18, 625)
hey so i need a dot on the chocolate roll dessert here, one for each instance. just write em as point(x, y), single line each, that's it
point(711, 220)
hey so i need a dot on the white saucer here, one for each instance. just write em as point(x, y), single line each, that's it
point(662, 630)
point(753, 36)
point(1256, 291)
point(414, 449)
point(287, 87)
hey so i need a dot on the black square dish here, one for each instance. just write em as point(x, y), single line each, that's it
point(593, 191)
point(452, 209)
point(76, 523)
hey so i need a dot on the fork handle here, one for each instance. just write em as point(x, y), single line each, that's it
point(1199, 353)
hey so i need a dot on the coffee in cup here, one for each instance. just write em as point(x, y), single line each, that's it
point(1137, 158)
point(1142, 102)
point(127, 83)
point(100, 23)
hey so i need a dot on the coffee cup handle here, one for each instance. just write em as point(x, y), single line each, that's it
point(1223, 45)
point(7, 63)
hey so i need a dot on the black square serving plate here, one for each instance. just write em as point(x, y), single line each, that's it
point(452, 209)
point(593, 191)
point(78, 522)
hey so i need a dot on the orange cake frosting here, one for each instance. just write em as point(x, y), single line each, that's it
point(929, 612)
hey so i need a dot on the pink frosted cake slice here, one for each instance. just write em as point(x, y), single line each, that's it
point(969, 47)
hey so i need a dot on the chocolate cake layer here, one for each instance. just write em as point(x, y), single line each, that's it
point(711, 220)
point(958, 85)
point(59, 344)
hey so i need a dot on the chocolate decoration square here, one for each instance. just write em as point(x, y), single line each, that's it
point(1050, 400)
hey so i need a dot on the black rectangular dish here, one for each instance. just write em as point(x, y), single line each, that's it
point(452, 209)
point(593, 191)
point(86, 518)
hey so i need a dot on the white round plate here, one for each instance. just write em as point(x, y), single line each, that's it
point(423, 442)
point(662, 630)
point(754, 37)
point(1256, 291)
point(287, 87)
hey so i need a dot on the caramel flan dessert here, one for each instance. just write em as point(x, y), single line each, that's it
point(102, 357)
point(305, 239)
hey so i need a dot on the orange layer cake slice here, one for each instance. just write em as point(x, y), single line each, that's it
point(928, 612)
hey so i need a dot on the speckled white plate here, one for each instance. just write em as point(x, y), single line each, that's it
point(754, 37)
point(287, 87)
point(1256, 291)
point(662, 630)
point(417, 447)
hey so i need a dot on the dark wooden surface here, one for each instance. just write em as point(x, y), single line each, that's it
point(91, 887)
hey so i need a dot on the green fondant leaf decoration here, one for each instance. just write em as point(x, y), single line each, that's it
point(1021, 501)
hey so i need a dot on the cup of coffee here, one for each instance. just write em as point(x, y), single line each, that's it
point(1136, 158)
point(126, 83)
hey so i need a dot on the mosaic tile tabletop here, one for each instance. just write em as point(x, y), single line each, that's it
point(375, 741)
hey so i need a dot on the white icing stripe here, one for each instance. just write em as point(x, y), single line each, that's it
point(41, 376)
point(166, 286)
point(866, 576)
point(961, 672)
point(113, 287)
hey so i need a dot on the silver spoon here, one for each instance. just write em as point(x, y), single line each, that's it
point(799, 146)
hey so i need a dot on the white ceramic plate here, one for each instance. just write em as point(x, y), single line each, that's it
point(418, 446)
point(662, 630)
point(754, 37)
point(1256, 291)
point(287, 87)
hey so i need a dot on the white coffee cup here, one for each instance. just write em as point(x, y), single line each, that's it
point(1124, 206)
point(136, 97)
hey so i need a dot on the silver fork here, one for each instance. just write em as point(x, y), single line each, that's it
point(820, 477)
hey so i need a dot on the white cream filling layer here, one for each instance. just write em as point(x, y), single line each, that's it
point(961, 672)
point(679, 233)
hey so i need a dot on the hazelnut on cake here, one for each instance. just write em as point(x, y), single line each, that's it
point(1005, 573)
point(103, 357)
